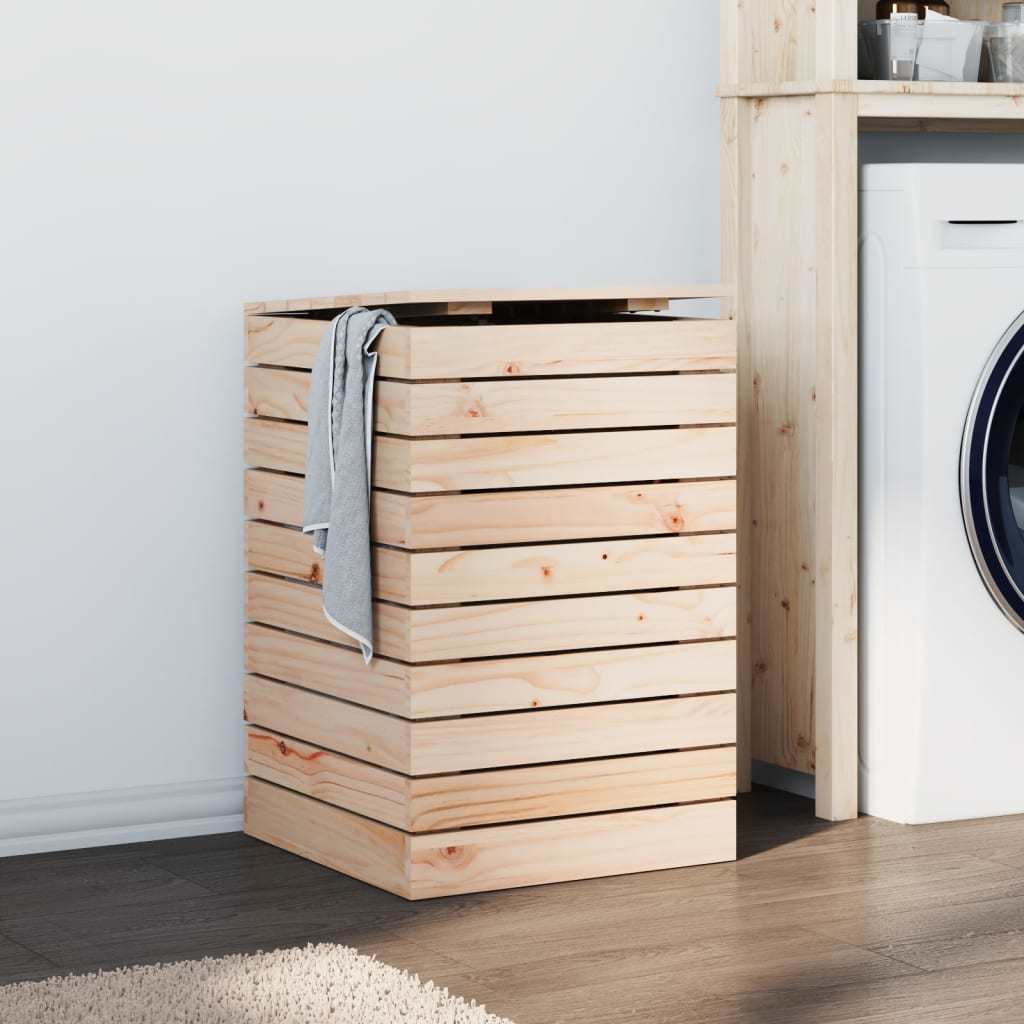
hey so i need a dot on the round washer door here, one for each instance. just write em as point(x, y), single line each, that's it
point(992, 474)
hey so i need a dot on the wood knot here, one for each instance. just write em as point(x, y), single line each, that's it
point(283, 747)
point(776, 24)
point(604, 558)
point(640, 617)
point(451, 851)
point(760, 668)
point(787, 428)
point(785, 603)
point(545, 570)
point(512, 368)
point(260, 505)
point(314, 573)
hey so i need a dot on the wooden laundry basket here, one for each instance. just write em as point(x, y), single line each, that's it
point(553, 694)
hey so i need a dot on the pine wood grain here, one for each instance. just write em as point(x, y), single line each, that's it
point(493, 684)
point(491, 630)
point(498, 574)
point(514, 460)
point(476, 860)
point(434, 802)
point(436, 746)
point(426, 409)
point(624, 345)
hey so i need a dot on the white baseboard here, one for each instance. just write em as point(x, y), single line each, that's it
point(109, 817)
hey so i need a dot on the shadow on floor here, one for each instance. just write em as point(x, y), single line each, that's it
point(770, 818)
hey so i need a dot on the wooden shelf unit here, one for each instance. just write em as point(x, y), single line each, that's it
point(792, 109)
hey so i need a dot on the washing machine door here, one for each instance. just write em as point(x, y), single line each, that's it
point(992, 474)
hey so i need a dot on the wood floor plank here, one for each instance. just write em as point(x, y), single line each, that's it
point(864, 922)
point(17, 963)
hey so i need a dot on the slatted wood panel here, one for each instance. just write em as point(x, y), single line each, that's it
point(517, 517)
point(492, 630)
point(514, 406)
point(498, 574)
point(431, 803)
point(514, 460)
point(499, 857)
point(434, 746)
point(356, 845)
point(469, 352)
point(531, 853)
point(553, 521)
point(493, 684)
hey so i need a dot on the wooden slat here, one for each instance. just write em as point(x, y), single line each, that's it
point(534, 853)
point(514, 517)
point(533, 460)
point(496, 574)
point(347, 728)
point(273, 496)
point(329, 668)
point(429, 803)
point(281, 394)
point(499, 574)
point(338, 839)
point(283, 340)
point(462, 298)
point(517, 517)
point(494, 684)
point(540, 350)
point(621, 346)
point(486, 630)
point(270, 444)
point(577, 787)
point(363, 788)
point(515, 460)
point(496, 857)
point(592, 403)
point(437, 745)
point(565, 734)
point(494, 407)
point(286, 551)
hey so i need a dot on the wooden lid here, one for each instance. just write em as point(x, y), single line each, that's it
point(472, 301)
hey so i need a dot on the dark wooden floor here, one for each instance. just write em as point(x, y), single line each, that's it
point(862, 921)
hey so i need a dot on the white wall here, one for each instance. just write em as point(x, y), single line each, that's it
point(165, 162)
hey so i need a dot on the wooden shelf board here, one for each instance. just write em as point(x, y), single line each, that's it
point(911, 106)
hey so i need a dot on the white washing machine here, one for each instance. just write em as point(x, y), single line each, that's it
point(942, 491)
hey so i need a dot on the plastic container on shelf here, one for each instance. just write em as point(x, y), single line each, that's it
point(1013, 12)
point(890, 48)
point(923, 51)
point(1004, 51)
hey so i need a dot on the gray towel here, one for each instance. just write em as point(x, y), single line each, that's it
point(338, 467)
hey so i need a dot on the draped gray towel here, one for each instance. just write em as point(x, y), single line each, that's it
point(338, 468)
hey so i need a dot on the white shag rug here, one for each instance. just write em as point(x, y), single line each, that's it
point(322, 984)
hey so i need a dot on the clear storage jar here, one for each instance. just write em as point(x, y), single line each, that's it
point(1004, 51)
point(923, 51)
